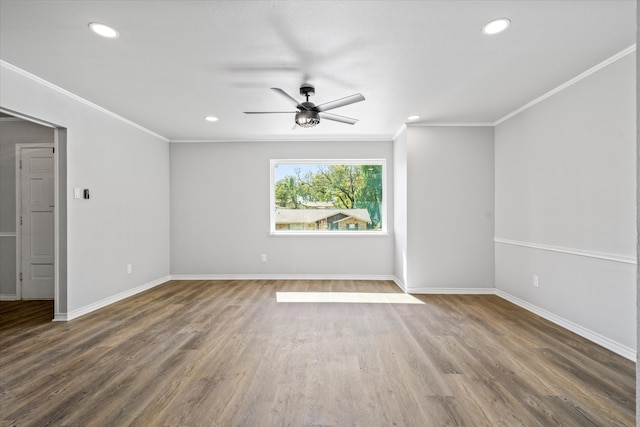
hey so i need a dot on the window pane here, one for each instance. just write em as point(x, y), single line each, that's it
point(327, 195)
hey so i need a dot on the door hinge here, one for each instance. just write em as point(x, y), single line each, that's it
point(21, 276)
point(20, 164)
point(54, 150)
point(21, 220)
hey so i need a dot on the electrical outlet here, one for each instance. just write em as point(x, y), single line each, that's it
point(536, 281)
point(129, 269)
point(264, 257)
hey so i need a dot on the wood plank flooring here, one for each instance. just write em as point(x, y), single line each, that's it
point(20, 315)
point(226, 353)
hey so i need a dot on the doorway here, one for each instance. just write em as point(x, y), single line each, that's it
point(33, 226)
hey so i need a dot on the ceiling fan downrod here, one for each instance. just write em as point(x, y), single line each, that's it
point(307, 90)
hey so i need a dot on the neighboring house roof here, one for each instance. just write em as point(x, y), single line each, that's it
point(296, 216)
point(317, 205)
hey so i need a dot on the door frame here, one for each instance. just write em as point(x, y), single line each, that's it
point(60, 292)
point(19, 147)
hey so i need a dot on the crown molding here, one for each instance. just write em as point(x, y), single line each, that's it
point(286, 139)
point(463, 124)
point(77, 98)
point(576, 79)
point(399, 131)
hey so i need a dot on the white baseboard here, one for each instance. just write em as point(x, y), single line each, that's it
point(603, 341)
point(400, 284)
point(280, 277)
point(8, 297)
point(62, 317)
point(452, 291)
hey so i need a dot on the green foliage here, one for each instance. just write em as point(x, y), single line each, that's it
point(345, 186)
point(370, 193)
point(287, 190)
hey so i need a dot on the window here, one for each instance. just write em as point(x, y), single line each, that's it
point(328, 196)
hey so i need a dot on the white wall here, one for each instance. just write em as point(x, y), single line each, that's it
point(449, 209)
point(126, 221)
point(400, 207)
point(220, 214)
point(565, 184)
point(13, 131)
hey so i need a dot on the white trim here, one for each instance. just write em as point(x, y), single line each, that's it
point(9, 297)
point(348, 161)
point(400, 284)
point(595, 337)
point(8, 234)
point(281, 277)
point(398, 132)
point(22, 117)
point(284, 138)
point(75, 97)
point(626, 259)
point(571, 82)
point(480, 124)
point(566, 324)
point(61, 317)
point(56, 221)
point(18, 213)
point(452, 291)
point(328, 233)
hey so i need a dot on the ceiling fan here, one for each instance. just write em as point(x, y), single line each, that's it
point(309, 114)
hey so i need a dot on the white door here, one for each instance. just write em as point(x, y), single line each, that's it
point(37, 223)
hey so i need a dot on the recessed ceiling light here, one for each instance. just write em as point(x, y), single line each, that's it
point(103, 30)
point(413, 118)
point(496, 26)
point(211, 119)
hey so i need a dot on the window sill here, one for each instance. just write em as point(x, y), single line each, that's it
point(329, 233)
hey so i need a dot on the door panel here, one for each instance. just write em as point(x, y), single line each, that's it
point(37, 229)
point(41, 234)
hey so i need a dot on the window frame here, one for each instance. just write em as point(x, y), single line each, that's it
point(358, 161)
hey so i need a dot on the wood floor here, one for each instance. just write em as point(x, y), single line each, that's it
point(226, 353)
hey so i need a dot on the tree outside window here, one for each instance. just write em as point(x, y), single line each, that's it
point(328, 195)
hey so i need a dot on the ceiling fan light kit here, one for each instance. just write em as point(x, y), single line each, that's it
point(307, 118)
point(309, 114)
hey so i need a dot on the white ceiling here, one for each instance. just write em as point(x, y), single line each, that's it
point(177, 61)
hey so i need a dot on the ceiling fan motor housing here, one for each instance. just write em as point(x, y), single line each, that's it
point(307, 90)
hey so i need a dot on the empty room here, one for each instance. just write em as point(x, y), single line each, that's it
point(318, 213)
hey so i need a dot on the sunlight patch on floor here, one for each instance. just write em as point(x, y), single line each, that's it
point(347, 297)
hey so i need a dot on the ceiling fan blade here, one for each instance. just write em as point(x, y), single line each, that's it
point(289, 97)
point(337, 118)
point(339, 102)
point(270, 112)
